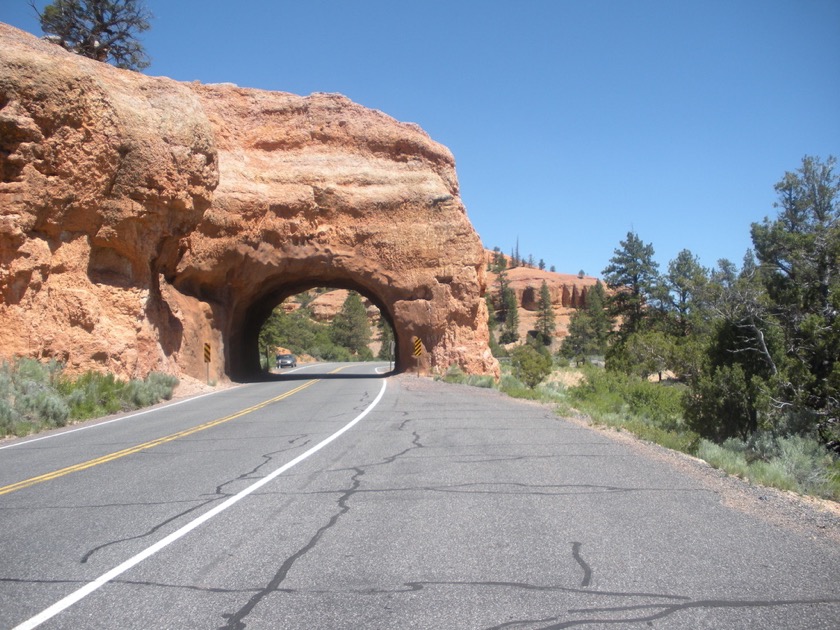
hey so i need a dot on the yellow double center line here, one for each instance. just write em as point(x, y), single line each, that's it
point(26, 483)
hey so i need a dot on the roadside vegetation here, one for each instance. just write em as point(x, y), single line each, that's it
point(737, 366)
point(35, 396)
point(346, 338)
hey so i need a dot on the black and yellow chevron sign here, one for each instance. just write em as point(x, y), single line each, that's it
point(207, 353)
point(418, 347)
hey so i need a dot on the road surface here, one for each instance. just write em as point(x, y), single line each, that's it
point(333, 497)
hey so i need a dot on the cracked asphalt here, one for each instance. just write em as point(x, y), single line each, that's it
point(445, 507)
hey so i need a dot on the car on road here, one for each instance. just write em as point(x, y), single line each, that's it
point(286, 360)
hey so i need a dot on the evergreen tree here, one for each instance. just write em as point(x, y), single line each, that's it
point(685, 283)
point(501, 296)
point(515, 260)
point(545, 316)
point(386, 336)
point(633, 276)
point(499, 262)
point(105, 30)
point(510, 330)
point(507, 310)
point(295, 331)
point(589, 328)
point(350, 328)
point(799, 258)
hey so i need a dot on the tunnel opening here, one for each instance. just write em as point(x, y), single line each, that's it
point(251, 348)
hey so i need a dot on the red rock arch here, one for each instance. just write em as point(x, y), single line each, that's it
point(149, 217)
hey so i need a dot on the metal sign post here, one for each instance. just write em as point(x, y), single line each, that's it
point(207, 361)
point(418, 351)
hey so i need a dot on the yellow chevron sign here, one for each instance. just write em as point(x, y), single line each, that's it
point(418, 347)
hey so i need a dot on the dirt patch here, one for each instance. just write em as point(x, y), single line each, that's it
point(569, 378)
point(188, 386)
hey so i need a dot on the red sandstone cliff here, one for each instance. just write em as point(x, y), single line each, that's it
point(141, 218)
point(568, 293)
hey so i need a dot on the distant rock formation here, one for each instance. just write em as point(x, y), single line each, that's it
point(568, 293)
point(141, 218)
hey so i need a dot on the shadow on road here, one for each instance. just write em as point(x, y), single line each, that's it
point(312, 374)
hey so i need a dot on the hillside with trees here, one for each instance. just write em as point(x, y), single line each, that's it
point(739, 363)
point(526, 301)
point(758, 346)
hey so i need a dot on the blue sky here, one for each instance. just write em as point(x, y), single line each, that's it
point(571, 123)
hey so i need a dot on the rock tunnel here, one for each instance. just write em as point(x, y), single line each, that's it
point(144, 218)
point(243, 351)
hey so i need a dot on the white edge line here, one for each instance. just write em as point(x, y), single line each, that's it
point(102, 424)
point(89, 588)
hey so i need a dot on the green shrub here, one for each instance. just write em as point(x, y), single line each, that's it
point(649, 410)
point(35, 396)
point(481, 380)
point(732, 462)
point(456, 375)
point(93, 394)
point(161, 385)
point(515, 388)
point(553, 392)
point(771, 474)
point(364, 354)
point(725, 403)
point(807, 461)
point(531, 366)
point(40, 402)
point(795, 463)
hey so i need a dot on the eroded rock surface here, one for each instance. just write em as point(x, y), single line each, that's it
point(568, 293)
point(141, 217)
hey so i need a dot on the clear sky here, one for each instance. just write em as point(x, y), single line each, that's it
point(571, 122)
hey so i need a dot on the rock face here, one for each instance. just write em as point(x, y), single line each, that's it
point(326, 306)
point(141, 218)
point(568, 293)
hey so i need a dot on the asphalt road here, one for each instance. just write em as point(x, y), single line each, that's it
point(439, 506)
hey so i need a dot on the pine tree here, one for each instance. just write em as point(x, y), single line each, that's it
point(501, 301)
point(545, 317)
point(386, 336)
point(350, 328)
point(508, 311)
point(104, 30)
point(633, 276)
point(510, 332)
point(684, 282)
point(589, 327)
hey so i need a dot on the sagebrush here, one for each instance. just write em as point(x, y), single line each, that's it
point(38, 395)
